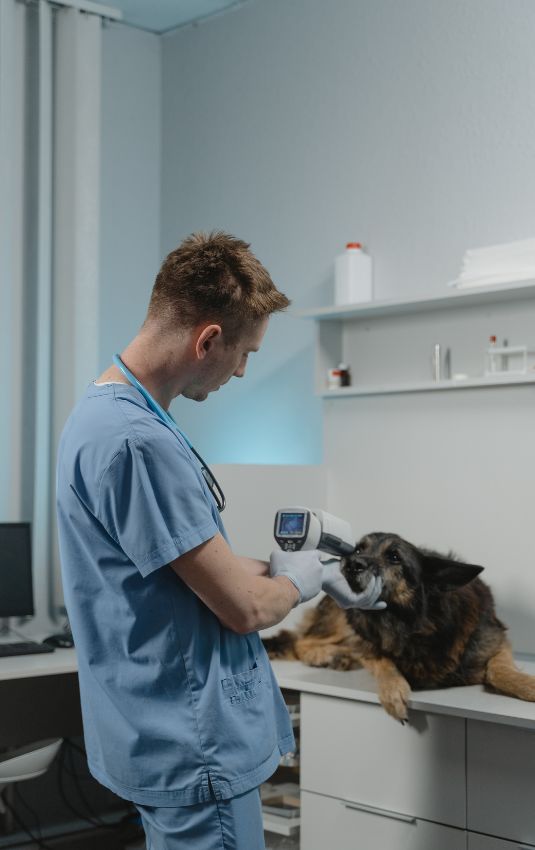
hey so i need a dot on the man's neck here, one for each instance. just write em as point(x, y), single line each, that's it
point(154, 365)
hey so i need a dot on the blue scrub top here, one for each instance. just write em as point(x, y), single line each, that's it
point(172, 700)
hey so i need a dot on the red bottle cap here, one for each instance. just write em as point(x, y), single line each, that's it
point(354, 245)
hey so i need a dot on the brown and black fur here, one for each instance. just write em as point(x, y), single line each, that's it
point(439, 628)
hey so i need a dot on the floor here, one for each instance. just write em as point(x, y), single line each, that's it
point(273, 842)
point(87, 840)
point(281, 842)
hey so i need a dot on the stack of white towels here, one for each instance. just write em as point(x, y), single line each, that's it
point(507, 263)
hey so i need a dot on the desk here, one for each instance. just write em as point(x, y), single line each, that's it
point(39, 698)
point(41, 691)
point(465, 774)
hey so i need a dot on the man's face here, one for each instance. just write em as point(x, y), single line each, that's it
point(222, 362)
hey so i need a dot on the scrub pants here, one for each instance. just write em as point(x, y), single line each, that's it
point(234, 824)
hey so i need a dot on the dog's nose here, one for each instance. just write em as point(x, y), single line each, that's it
point(357, 564)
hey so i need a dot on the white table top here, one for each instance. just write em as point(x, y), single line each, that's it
point(473, 702)
point(30, 666)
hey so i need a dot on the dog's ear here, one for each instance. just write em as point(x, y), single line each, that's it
point(447, 574)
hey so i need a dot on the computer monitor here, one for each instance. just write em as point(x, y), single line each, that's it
point(16, 589)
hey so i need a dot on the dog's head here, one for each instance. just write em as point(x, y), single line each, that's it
point(407, 572)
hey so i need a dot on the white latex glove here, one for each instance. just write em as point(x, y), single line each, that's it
point(304, 569)
point(336, 586)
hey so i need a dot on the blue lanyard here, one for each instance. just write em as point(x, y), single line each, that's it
point(166, 417)
point(153, 404)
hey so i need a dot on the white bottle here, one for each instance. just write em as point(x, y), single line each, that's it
point(353, 275)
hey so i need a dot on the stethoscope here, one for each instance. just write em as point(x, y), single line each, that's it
point(166, 417)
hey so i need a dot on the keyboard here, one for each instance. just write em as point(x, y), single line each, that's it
point(23, 648)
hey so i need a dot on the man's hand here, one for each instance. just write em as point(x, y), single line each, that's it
point(336, 586)
point(304, 569)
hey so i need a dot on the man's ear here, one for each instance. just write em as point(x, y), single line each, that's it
point(208, 335)
point(447, 574)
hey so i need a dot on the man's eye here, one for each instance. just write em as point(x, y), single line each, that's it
point(393, 556)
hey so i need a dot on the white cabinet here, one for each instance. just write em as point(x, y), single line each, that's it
point(439, 782)
point(501, 781)
point(355, 752)
point(444, 781)
point(331, 824)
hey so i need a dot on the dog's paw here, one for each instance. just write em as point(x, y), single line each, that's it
point(394, 694)
point(344, 661)
point(318, 657)
point(325, 655)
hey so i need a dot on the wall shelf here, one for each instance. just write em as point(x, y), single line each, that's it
point(388, 344)
point(430, 386)
point(454, 299)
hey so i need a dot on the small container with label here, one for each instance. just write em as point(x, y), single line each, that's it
point(334, 379)
point(345, 376)
point(338, 377)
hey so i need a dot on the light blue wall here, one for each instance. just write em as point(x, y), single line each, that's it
point(300, 124)
point(130, 182)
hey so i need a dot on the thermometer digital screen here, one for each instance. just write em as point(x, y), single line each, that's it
point(291, 525)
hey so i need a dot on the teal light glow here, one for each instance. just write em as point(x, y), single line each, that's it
point(276, 420)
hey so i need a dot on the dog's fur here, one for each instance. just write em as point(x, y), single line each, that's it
point(439, 628)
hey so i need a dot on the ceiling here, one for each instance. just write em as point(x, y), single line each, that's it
point(162, 15)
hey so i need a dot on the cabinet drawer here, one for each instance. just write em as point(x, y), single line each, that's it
point(486, 842)
point(356, 751)
point(328, 822)
point(501, 780)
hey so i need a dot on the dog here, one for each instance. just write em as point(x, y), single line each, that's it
point(439, 628)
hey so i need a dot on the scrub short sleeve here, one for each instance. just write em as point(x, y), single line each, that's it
point(153, 504)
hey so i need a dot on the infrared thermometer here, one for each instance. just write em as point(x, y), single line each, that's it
point(302, 528)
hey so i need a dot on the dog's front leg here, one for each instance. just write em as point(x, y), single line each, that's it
point(393, 688)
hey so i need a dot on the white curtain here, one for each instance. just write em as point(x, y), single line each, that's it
point(50, 61)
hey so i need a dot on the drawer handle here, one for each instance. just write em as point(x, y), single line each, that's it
point(385, 813)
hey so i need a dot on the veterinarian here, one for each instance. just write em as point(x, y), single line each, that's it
point(182, 713)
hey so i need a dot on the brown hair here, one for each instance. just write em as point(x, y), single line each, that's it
point(214, 277)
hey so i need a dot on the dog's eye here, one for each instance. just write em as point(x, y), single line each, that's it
point(393, 556)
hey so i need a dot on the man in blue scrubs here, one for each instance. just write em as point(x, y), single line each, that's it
point(182, 714)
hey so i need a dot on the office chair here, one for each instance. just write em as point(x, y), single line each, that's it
point(26, 763)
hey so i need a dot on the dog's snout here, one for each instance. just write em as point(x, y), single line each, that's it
point(357, 564)
point(357, 571)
